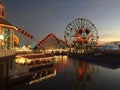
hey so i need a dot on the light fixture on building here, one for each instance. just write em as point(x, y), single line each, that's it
point(1, 37)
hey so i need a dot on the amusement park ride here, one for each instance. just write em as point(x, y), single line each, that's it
point(81, 34)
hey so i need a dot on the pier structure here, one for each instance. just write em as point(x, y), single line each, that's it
point(33, 60)
point(7, 63)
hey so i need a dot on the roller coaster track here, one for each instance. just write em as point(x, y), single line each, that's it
point(39, 44)
point(47, 38)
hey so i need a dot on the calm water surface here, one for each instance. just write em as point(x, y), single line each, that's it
point(73, 74)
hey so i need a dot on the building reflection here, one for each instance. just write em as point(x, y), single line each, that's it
point(81, 75)
point(41, 75)
point(32, 73)
point(61, 62)
point(78, 74)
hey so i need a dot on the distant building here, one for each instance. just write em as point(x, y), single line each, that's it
point(113, 46)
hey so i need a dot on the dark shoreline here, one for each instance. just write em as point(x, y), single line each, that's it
point(107, 61)
point(103, 58)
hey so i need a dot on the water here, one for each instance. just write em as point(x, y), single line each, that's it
point(73, 74)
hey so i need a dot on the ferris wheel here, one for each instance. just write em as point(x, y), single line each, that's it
point(80, 33)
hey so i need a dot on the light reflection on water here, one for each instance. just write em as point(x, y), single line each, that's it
point(73, 74)
point(81, 75)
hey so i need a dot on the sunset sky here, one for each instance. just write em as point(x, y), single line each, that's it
point(41, 17)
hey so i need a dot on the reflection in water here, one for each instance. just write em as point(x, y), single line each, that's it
point(81, 75)
point(69, 74)
point(43, 74)
point(61, 62)
point(34, 77)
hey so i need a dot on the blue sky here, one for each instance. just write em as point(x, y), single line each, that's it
point(41, 17)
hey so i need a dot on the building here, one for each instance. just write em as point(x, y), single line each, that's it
point(7, 63)
point(7, 55)
point(6, 31)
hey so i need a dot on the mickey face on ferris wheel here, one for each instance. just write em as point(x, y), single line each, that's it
point(82, 34)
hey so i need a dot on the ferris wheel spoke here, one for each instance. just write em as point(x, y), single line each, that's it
point(92, 30)
point(87, 24)
point(73, 36)
point(81, 22)
point(84, 20)
point(74, 25)
point(76, 21)
point(70, 34)
point(68, 29)
point(77, 24)
point(91, 27)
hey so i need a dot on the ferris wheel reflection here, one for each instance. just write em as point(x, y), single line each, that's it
point(82, 77)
